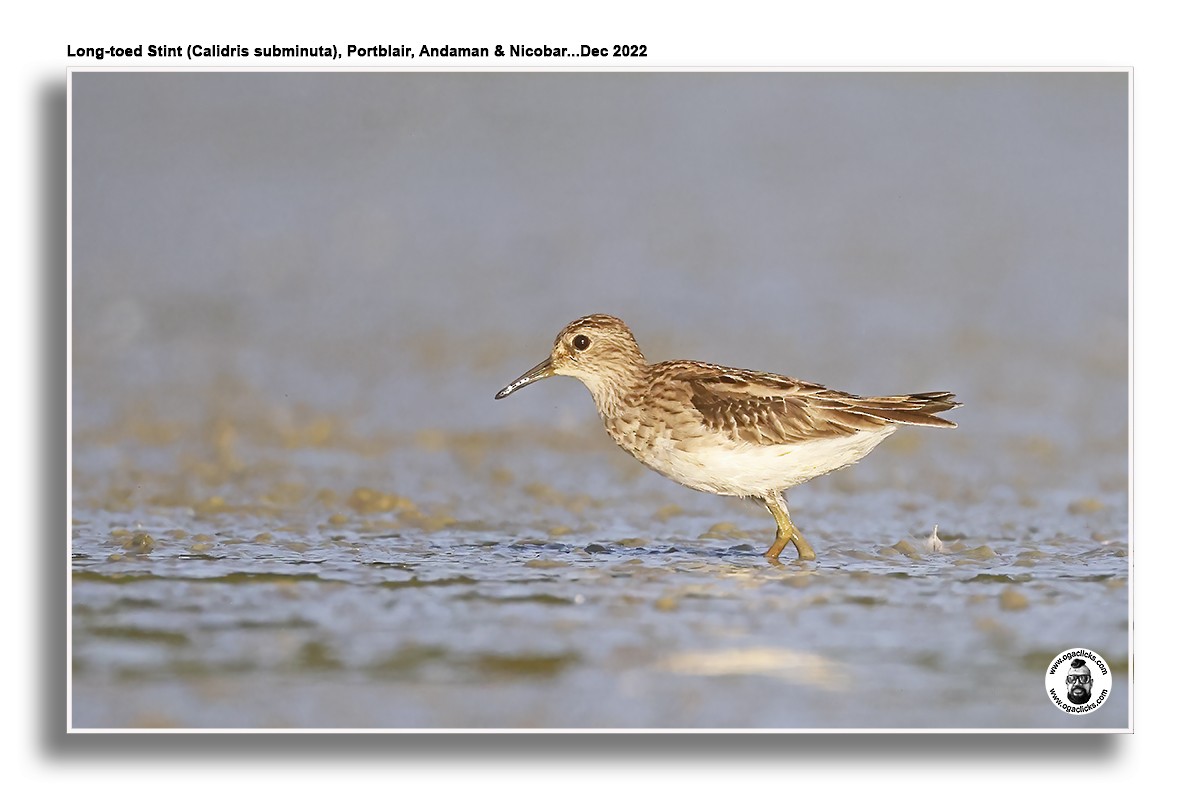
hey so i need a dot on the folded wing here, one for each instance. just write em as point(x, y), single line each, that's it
point(761, 408)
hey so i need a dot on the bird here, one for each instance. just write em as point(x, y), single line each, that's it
point(722, 430)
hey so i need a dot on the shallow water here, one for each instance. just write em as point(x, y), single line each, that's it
point(295, 503)
point(582, 594)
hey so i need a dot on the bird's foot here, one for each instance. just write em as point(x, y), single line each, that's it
point(793, 536)
point(803, 548)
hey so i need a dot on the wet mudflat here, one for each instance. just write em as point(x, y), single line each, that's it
point(594, 596)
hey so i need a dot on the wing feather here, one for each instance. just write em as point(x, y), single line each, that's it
point(762, 408)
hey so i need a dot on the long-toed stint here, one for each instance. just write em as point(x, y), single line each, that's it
point(723, 430)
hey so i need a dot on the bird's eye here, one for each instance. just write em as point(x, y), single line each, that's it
point(581, 342)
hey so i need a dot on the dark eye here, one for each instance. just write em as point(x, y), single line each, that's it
point(581, 342)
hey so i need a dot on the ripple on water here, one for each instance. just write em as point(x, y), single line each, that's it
point(648, 602)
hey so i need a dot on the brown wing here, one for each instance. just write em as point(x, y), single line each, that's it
point(762, 408)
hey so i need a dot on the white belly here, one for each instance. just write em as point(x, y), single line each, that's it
point(747, 470)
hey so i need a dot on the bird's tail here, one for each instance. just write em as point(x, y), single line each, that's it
point(910, 409)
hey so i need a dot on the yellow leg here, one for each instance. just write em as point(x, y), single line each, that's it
point(786, 531)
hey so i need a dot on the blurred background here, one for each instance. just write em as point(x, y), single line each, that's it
point(294, 296)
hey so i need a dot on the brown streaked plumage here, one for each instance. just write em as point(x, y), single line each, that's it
point(723, 430)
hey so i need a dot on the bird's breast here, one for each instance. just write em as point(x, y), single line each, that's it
point(669, 440)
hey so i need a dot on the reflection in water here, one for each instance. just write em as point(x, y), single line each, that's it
point(787, 665)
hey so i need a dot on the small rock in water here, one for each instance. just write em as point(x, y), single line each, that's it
point(982, 553)
point(141, 543)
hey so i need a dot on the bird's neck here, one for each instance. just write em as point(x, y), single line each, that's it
point(614, 391)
